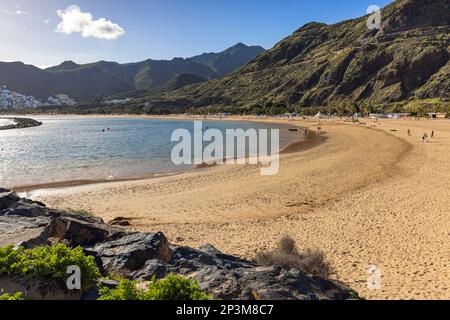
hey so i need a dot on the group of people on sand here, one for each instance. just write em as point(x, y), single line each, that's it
point(424, 137)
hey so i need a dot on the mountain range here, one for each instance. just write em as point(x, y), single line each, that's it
point(101, 79)
point(343, 67)
point(340, 66)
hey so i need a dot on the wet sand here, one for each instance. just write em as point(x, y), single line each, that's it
point(365, 195)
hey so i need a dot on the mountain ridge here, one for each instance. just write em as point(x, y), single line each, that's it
point(229, 60)
point(104, 78)
point(344, 65)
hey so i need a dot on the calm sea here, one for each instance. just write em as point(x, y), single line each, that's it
point(76, 148)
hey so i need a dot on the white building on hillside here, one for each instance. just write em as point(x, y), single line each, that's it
point(13, 100)
point(119, 101)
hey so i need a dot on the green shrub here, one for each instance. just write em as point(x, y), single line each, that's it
point(10, 297)
point(171, 288)
point(175, 288)
point(126, 290)
point(48, 263)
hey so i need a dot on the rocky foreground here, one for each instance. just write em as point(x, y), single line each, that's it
point(140, 256)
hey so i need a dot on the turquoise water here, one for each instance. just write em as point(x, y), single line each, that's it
point(74, 148)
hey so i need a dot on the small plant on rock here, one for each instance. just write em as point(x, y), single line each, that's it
point(171, 288)
point(48, 263)
point(126, 290)
point(11, 297)
point(176, 288)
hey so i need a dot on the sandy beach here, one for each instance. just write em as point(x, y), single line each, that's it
point(367, 194)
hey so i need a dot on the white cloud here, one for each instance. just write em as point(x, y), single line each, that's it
point(75, 21)
point(47, 21)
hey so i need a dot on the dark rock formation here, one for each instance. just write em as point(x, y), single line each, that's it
point(228, 277)
point(83, 231)
point(120, 221)
point(25, 231)
point(24, 220)
point(37, 290)
point(7, 198)
point(21, 123)
point(24, 208)
point(130, 253)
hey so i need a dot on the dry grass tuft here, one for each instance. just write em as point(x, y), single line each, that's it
point(286, 255)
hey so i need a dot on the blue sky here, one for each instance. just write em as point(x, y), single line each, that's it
point(134, 30)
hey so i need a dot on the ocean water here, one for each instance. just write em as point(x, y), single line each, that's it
point(80, 148)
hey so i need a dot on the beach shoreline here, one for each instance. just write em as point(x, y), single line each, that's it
point(366, 195)
point(303, 142)
point(300, 145)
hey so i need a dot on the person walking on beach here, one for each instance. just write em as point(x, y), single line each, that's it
point(425, 137)
point(409, 133)
point(432, 134)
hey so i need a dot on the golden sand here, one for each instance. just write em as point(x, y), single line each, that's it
point(366, 196)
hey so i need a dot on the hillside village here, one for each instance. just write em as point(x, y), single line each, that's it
point(13, 100)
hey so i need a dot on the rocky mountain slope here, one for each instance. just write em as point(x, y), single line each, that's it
point(100, 79)
point(229, 60)
point(342, 64)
